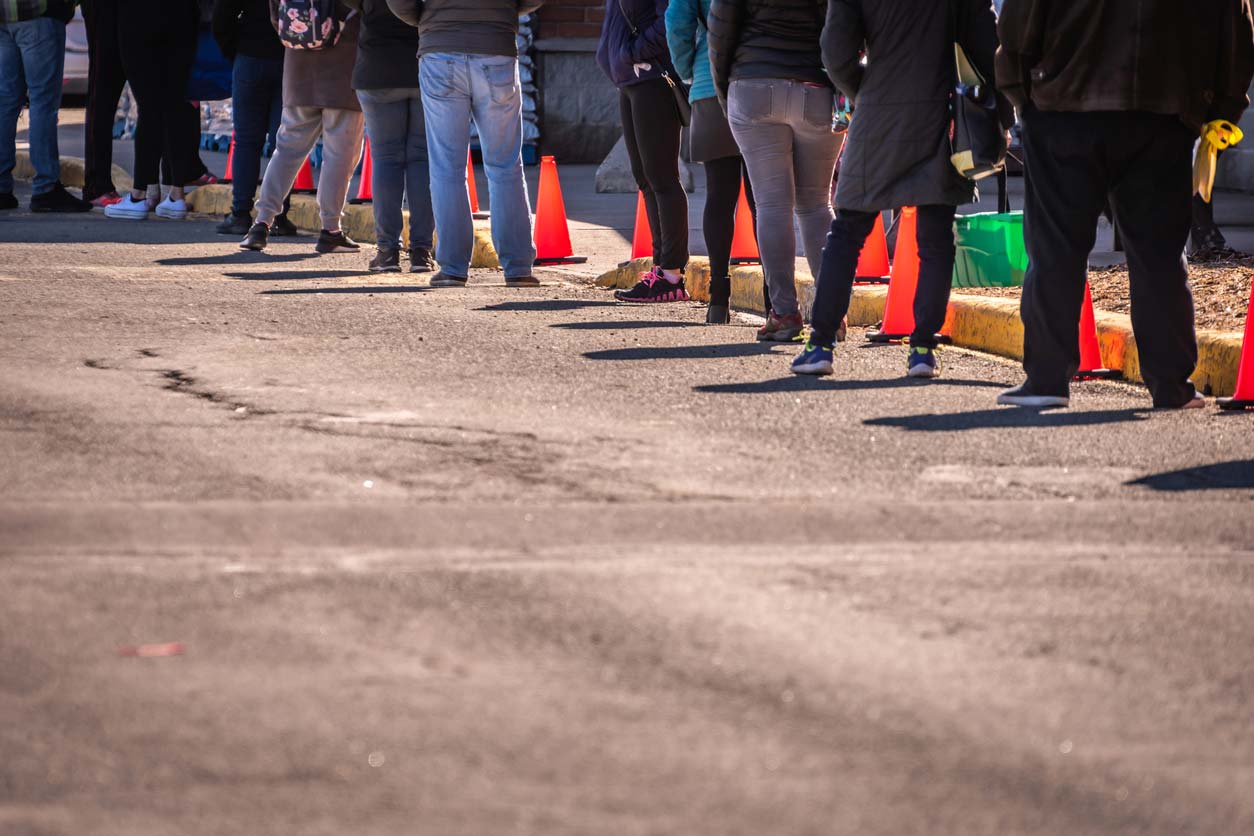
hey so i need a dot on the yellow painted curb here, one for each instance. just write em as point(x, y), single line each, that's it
point(978, 322)
point(72, 171)
point(358, 219)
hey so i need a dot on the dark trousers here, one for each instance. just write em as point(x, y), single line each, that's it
point(158, 40)
point(651, 131)
point(257, 103)
point(105, 80)
point(1142, 164)
point(187, 128)
point(722, 195)
point(840, 263)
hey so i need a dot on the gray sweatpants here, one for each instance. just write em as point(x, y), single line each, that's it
point(784, 130)
point(341, 132)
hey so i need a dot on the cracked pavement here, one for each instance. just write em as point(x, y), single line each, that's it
point(494, 560)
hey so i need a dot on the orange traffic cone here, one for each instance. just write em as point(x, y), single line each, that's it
point(1243, 397)
point(470, 186)
point(873, 267)
point(744, 249)
point(227, 176)
point(642, 238)
point(1090, 350)
point(304, 180)
point(899, 308)
point(552, 235)
point(365, 189)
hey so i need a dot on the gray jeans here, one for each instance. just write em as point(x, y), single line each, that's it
point(784, 130)
point(341, 132)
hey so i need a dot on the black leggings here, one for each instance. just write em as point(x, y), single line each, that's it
point(158, 40)
point(105, 80)
point(651, 131)
point(722, 195)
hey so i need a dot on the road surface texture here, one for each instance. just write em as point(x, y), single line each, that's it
point(497, 561)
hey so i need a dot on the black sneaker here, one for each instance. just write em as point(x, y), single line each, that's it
point(257, 238)
point(386, 260)
point(283, 227)
point(59, 200)
point(235, 224)
point(442, 279)
point(654, 287)
point(420, 261)
point(336, 242)
point(8, 201)
point(717, 315)
point(1025, 395)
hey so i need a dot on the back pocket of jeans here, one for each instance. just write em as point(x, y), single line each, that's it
point(817, 105)
point(502, 81)
point(750, 101)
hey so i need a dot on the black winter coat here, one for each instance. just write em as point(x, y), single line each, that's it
point(633, 35)
point(897, 151)
point(765, 39)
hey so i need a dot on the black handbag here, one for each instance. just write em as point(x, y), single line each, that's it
point(678, 89)
point(977, 143)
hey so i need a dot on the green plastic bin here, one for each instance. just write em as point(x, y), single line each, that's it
point(990, 250)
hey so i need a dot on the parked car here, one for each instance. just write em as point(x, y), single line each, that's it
point(75, 75)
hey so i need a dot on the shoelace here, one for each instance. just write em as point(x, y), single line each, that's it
point(650, 278)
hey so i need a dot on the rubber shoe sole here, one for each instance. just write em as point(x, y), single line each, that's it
point(923, 371)
point(441, 280)
point(1009, 398)
point(171, 214)
point(820, 367)
point(522, 281)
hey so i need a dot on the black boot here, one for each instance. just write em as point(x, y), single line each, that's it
point(236, 224)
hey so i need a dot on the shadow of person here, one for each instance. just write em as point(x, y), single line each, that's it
point(1234, 475)
point(811, 383)
point(549, 305)
point(685, 352)
point(1005, 418)
point(237, 257)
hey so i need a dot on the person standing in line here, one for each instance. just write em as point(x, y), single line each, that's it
point(318, 101)
point(247, 39)
point(712, 145)
point(158, 42)
point(768, 72)
point(468, 53)
point(632, 51)
point(897, 152)
point(32, 59)
point(105, 80)
point(1113, 95)
point(386, 80)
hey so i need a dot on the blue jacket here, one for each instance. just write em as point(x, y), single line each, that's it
point(685, 34)
point(628, 46)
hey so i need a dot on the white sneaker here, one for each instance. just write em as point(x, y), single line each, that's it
point(1025, 395)
point(128, 208)
point(175, 210)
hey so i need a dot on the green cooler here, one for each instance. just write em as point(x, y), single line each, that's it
point(990, 250)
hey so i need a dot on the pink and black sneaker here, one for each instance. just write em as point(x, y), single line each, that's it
point(654, 287)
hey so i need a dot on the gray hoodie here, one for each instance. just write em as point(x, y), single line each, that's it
point(475, 27)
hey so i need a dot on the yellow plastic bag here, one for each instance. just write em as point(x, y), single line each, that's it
point(1216, 136)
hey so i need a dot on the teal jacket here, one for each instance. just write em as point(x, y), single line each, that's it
point(685, 34)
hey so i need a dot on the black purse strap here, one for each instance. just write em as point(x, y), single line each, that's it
point(627, 17)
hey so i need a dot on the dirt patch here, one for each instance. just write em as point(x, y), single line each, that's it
point(1221, 292)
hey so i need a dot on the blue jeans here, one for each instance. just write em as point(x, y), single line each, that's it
point(32, 59)
point(398, 151)
point(455, 88)
point(257, 102)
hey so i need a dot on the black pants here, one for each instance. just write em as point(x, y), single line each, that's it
point(722, 195)
point(840, 263)
point(105, 80)
point(1142, 164)
point(651, 131)
point(158, 40)
point(188, 130)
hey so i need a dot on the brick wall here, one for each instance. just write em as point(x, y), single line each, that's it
point(571, 19)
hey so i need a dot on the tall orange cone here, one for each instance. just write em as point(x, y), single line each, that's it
point(470, 186)
point(304, 180)
point(899, 308)
point(227, 176)
point(1243, 397)
point(1090, 350)
point(365, 188)
point(873, 267)
point(744, 249)
point(642, 238)
point(552, 234)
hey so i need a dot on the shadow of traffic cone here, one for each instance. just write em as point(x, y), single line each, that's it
point(472, 188)
point(899, 307)
point(552, 235)
point(873, 267)
point(365, 189)
point(1243, 397)
point(1090, 350)
point(227, 175)
point(744, 249)
point(304, 180)
point(642, 238)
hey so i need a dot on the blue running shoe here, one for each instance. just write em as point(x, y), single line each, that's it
point(922, 362)
point(813, 359)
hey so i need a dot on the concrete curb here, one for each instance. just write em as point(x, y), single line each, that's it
point(978, 322)
point(72, 171)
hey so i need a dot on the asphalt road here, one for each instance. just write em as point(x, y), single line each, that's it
point(493, 561)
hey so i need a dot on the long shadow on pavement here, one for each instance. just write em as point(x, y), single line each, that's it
point(292, 275)
point(238, 257)
point(383, 288)
point(684, 352)
point(1220, 476)
point(810, 383)
point(548, 305)
point(622, 325)
point(1005, 418)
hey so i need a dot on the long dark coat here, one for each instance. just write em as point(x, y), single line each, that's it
point(897, 151)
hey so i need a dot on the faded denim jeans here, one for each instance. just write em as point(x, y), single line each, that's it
point(456, 88)
point(32, 59)
point(398, 152)
point(784, 130)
